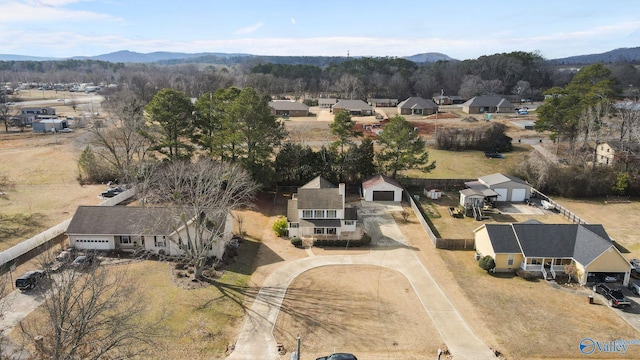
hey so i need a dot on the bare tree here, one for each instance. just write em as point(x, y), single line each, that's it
point(120, 139)
point(204, 193)
point(348, 86)
point(628, 121)
point(92, 314)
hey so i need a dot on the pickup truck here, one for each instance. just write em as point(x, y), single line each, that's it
point(615, 297)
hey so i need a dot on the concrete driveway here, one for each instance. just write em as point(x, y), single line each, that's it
point(256, 340)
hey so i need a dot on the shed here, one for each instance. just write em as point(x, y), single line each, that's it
point(382, 188)
point(417, 106)
point(49, 125)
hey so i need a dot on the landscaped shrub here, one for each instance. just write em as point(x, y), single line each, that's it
point(527, 275)
point(487, 263)
point(296, 241)
point(365, 240)
point(280, 226)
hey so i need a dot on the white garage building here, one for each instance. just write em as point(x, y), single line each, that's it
point(382, 188)
point(508, 188)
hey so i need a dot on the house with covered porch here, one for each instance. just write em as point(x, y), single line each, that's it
point(318, 211)
point(546, 249)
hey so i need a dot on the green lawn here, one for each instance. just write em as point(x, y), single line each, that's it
point(470, 164)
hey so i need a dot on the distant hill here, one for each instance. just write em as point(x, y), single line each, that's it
point(631, 55)
point(429, 57)
point(126, 56)
point(9, 57)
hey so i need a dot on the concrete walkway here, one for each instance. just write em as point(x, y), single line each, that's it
point(256, 340)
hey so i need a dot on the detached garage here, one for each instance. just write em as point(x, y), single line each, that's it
point(509, 188)
point(382, 188)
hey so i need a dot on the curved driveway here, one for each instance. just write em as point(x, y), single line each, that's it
point(256, 340)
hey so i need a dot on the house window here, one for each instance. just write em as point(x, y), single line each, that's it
point(510, 260)
point(348, 222)
point(294, 225)
point(307, 213)
point(332, 214)
point(160, 241)
point(126, 239)
point(332, 231)
point(536, 262)
point(318, 214)
point(318, 231)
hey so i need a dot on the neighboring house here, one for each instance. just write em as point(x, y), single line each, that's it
point(29, 115)
point(447, 99)
point(501, 187)
point(487, 104)
point(49, 125)
point(609, 152)
point(417, 106)
point(288, 108)
point(382, 188)
point(383, 102)
point(127, 228)
point(547, 248)
point(326, 103)
point(318, 211)
point(354, 107)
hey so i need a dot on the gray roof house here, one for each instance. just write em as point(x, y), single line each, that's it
point(129, 228)
point(288, 108)
point(417, 106)
point(488, 104)
point(318, 211)
point(547, 248)
point(355, 107)
point(502, 187)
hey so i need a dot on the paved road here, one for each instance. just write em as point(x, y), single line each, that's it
point(256, 340)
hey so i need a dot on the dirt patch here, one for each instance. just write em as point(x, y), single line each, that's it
point(370, 311)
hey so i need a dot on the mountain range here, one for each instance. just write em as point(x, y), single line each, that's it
point(163, 57)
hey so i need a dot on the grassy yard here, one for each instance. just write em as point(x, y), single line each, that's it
point(198, 322)
point(531, 319)
point(469, 164)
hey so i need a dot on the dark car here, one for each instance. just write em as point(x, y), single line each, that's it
point(338, 356)
point(602, 289)
point(493, 155)
point(29, 280)
point(111, 192)
point(617, 299)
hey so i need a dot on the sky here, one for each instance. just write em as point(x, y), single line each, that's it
point(462, 29)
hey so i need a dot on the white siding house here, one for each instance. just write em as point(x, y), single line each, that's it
point(318, 211)
point(130, 228)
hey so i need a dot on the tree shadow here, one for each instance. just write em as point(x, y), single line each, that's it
point(19, 225)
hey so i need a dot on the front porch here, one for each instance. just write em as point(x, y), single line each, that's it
point(550, 268)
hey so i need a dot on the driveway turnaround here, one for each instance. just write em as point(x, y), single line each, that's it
point(256, 340)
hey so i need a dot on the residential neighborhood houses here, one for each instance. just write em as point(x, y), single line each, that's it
point(497, 216)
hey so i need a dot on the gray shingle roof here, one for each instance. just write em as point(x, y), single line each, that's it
point(352, 105)
point(584, 243)
point(114, 220)
point(488, 101)
point(310, 199)
point(288, 105)
point(417, 102)
point(318, 183)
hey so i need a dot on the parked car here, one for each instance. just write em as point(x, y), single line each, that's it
point(111, 192)
point(615, 297)
point(523, 112)
point(62, 260)
point(338, 356)
point(66, 130)
point(493, 155)
point(610, 278)
point(83, 261)
point(634, 287)
point(635, 264)
point(29, 280)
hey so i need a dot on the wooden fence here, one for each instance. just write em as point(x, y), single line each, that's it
point(438, 242)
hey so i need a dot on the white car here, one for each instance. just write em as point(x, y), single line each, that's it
point(66, 130)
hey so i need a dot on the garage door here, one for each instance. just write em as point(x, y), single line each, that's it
point(383, 196)
point(517, 195)
point(502, 194)
point(93, 244)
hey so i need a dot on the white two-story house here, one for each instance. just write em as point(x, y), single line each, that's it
point(318, 211)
